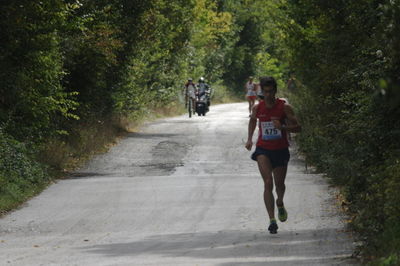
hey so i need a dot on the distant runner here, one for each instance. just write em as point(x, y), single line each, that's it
point(276, 118)
point(250, 90)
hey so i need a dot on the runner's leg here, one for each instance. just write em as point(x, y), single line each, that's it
point(279, 178)
point(249, 100)
point(264, 165)
point(253, 101)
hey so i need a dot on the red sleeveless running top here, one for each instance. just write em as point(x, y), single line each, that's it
point(269, 137)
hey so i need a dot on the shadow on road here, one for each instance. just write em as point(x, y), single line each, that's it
point(175, 121)
point(255, 248)
point(151, 135)
point(83, 175)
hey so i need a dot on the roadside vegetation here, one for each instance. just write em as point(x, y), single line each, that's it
point(77, 74)
point(346, 55)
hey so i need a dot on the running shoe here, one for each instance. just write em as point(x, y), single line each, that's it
point(273, 228)
point(282, 214)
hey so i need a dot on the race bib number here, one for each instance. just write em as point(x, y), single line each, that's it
point(269, 132)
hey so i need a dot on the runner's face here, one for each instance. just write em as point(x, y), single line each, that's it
point(269, 92)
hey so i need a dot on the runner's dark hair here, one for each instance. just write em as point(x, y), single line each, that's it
point(268, 82)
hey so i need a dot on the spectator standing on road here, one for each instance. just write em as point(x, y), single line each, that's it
point(250, 90)
point(275, 119)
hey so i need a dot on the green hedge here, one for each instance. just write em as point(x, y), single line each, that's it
point(20, 176)
point(347, 58)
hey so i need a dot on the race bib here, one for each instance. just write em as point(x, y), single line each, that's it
point(269, 132)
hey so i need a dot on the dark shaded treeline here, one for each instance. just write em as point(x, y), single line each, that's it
point(346, 55)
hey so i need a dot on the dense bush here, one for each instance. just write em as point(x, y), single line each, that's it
point(20, 175)
point(32, 98)
point(346, 56)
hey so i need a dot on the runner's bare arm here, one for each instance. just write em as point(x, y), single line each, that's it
point(251, 127)
point(293, 123)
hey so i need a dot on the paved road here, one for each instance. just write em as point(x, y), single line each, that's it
point(179, 192)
